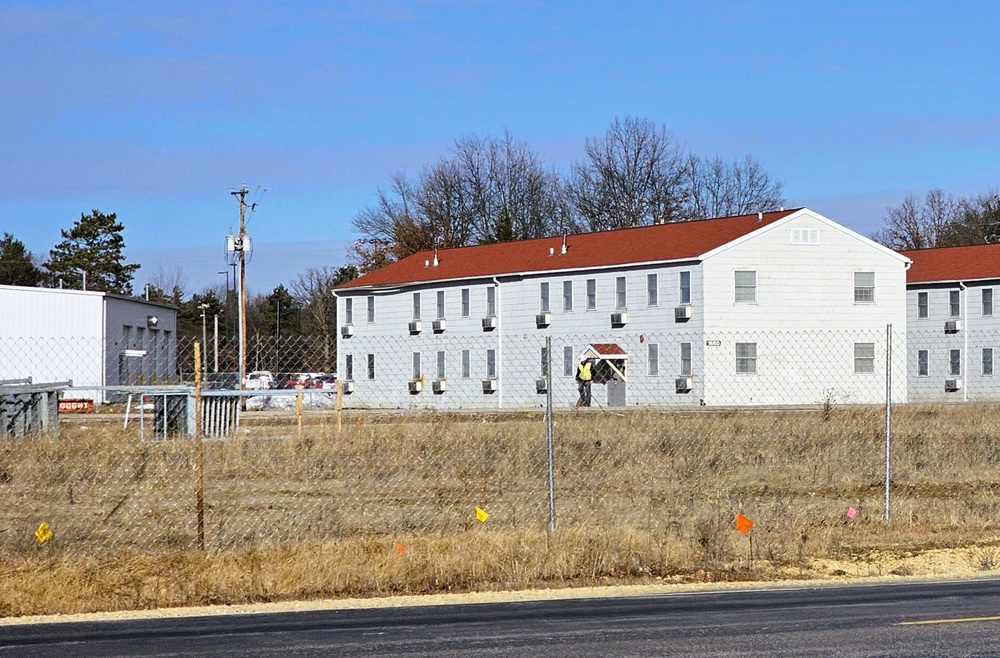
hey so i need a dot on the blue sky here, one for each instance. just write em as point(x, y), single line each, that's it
point(156, 110)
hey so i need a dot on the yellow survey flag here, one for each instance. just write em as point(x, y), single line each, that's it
point(44, 533)
point(481, 515)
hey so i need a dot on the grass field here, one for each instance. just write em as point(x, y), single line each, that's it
point(387, 505)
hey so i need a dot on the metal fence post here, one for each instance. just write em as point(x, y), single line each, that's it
point(199, 447)
point(548, 432)
point(888, 413)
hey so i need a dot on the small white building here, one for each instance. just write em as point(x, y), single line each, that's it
point(93, 339)
point(775, 308)
point(953, 332)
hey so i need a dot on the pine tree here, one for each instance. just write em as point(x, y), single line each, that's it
point(94, 245)
point(17, 265)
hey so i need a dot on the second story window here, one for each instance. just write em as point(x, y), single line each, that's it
point(685, 288)
point(348, 311)
point(440, 304)
point(864, 287)
point(987, 302)
point(371, 310)
point(652, 290)
point(416, 306)
point(567, 295)
point(746, 286)
point(621, 297)
point(465, 302)
point(491, 302)
point(922, 305)
point(954, 303)
point(543, 297)
point(591, 294)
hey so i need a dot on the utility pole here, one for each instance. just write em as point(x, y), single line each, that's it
point(241, 194)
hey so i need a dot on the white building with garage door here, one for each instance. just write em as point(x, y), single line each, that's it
point(777, 308)
point(93, 339)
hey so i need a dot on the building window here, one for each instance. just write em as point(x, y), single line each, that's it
point(923, 367)
point(416, 306)
point(864, 358)
point(416, 365)
point(569, 363)
point(954, 303)
point(685, 359)
point(441, 374)
point(466, 364)
point(371, 366)
point(955, 361)
point(371, 308)
point(864, 287)
point(987, 360)
point(685, 288)
point(653, 359)
point(921, 304)
point(491, 364)
point(348, 311)
point(987, 302)
point(746, 287)
point(621, 299)
point(543, 297)
point(491, 302)
point(567, 295)
point(545, 361)
point(652, 290)
point(746, 358)
point(440, 304)
point(591, 294)
point(465, 302)
point(349, 367)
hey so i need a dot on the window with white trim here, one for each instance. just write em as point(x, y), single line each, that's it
point(922, 306)
point(954, 303)
point(621, 296)
point(684, 292)
point(416, 306)
point(864, 358)
point(349, 367)
point(371, 366)
point(491, 364)
point(440, 305)
point(567, 295)
point(987, 360)
point(686, 359)
point(591, 294)
point(652, 359)
point(652, 290)
point(491, 302)
point(543, 297)
point(545, 360)
point(746, 287)
point(371, 309)
point(349, 311)
point(416, 365)
point(569, 361)
point(987, 302)
point(955, 362)
point(923, 363)
point(746, 358)
point(864, 287)
point(465, 303)
point(466, 364)
point(441, 359)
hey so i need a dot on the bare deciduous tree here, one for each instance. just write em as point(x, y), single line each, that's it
point(718, 189)
point(314, 290)
point(916, 224)
point(633, 175)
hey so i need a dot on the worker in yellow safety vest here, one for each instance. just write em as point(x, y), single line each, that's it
point(584, 375)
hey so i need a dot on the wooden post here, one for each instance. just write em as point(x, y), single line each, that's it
point(199, 449)
point(340, 405)
point(298, 410)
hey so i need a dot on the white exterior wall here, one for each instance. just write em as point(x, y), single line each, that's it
point(978, 331)
point(807, 289)
point(52, 335)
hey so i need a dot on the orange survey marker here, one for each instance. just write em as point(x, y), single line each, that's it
point(743, 524)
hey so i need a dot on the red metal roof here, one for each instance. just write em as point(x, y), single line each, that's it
point(608, 350)
point(979, 261)
point(661, 242)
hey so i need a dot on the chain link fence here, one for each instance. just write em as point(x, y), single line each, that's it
point(684, 431)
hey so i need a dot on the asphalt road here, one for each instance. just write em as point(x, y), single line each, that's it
point(914, 619)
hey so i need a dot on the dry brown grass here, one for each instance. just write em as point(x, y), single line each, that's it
point(640, 496)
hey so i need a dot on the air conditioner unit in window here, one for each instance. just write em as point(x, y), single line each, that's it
point(489, 386)
point(416, 386)
point(348, 387)
point(440, 325)
point(489, 324)
point(440, 385)
point(416, 326)
point(683, 313)
point(347, 330)
point(619, 319)
point(952, 326)
point(540, 386)
point(543, 319)
point(683, 384)
point(952, 385)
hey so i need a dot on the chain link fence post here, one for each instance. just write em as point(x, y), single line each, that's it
point(548, 432)
point(888, 413)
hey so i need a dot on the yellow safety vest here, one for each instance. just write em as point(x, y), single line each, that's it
point(584, 371)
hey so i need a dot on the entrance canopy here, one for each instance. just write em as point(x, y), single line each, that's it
point(611, 355)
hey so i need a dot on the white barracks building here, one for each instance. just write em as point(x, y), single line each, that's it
point(777, 308)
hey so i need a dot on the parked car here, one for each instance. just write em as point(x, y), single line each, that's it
point(296, 379)
point(259, 380)
point(325, 382)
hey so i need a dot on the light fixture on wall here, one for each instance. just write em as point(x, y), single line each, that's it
point(152, 321)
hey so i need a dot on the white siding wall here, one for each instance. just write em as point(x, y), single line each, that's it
point(807, 289)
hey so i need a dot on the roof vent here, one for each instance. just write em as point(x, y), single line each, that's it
point(435, 257)
point(760, 216)
point(427, 263)
point(563, 251)
point(552, 250)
